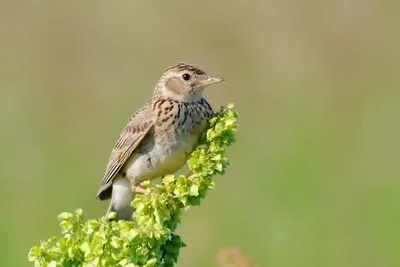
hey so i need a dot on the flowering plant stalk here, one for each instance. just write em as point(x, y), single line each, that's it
point(149, 240)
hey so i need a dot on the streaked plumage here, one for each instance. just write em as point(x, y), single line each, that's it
point(159, 137)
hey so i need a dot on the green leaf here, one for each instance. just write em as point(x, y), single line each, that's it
point(219, 167)
point(85, 247)
point(123, 262)
point(216, 158)
point(112, 215)
point(65, 216)
point(194, 190)
point(34, 253)
point(168, 179)
point(79, 212)
point(145, 184)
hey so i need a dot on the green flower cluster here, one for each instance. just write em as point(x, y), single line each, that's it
point(149, 240)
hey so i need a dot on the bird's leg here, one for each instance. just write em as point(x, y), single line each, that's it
point(136, 188)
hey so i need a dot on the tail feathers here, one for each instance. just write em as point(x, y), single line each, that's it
point(121, 199)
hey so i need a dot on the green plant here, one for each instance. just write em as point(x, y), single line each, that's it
point(148, 240)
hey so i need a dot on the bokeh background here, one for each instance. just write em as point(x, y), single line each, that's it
point(314, 179)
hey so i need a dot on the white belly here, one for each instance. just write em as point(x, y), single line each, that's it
point(161, 159)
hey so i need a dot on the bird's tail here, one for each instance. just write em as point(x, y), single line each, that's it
point(121, 199)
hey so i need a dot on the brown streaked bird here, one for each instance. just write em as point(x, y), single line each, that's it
point(159, 137)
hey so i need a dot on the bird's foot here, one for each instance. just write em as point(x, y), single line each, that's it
point(137, 188)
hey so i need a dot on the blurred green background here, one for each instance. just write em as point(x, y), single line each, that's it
point(314, 179)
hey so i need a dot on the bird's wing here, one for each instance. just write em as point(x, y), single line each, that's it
point(131, 136)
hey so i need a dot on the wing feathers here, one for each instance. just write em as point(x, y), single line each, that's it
point(131, 136)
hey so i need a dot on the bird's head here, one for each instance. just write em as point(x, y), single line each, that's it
point(184, 82)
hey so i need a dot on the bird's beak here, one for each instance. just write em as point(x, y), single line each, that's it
point(209, 81)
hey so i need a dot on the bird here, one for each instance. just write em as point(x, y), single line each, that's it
point(159, 137)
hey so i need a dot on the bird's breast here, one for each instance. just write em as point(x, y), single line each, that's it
point(169, 143)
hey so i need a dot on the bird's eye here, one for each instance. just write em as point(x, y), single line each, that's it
point(186, 76)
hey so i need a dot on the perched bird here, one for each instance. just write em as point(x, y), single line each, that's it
point(159, 137)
